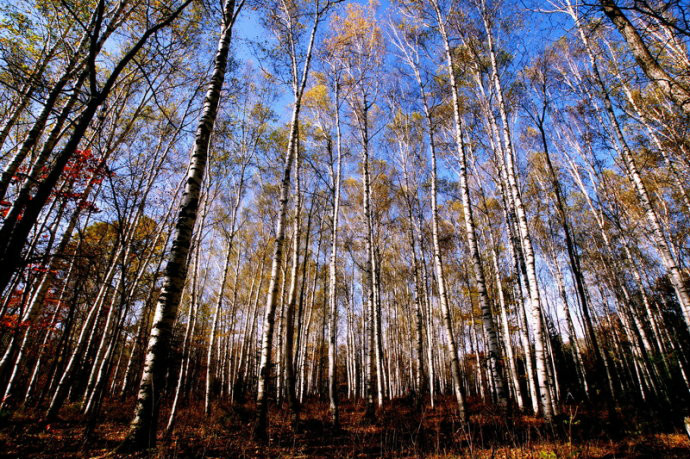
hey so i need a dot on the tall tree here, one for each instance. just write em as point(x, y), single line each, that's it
point(675, 88)
point(143, 428)
point(287, 19)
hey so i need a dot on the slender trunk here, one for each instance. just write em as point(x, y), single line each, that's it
point(143, 427)
point(493, 347)
point(299, 83)
point(332, 268)
point(219, 301)
point(214, 327)
point(289, 329)
point(438, 265)
point(572, 251)
point(523, 229)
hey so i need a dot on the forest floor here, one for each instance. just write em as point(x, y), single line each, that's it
point(398, 432)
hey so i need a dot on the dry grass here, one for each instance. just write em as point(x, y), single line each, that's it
point(399, 432)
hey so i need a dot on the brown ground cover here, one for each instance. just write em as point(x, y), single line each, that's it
point(399, 431)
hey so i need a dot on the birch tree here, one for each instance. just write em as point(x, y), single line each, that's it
point(142, 433)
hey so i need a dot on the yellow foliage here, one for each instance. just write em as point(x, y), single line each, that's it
point(316, 97)
point(357, 39)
